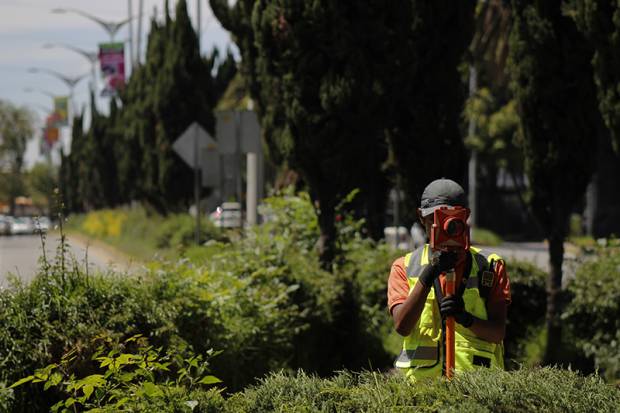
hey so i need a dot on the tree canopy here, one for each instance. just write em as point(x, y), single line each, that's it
point(548, 60)
point(16, 128)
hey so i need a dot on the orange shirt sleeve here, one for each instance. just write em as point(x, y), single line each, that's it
point(398, 287)
point(501, 286)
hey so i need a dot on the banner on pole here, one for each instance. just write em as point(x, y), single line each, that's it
point(112, 64)
point(61, 108)
point(51, 134)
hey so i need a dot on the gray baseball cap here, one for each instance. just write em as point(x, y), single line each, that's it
point(442, 192)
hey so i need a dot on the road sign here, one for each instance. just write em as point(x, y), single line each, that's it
point(237, 132)
point(210, 166)
point(192, 142)
point(226, 132)
point(250, 132)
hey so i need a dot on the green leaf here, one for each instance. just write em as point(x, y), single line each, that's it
point(95, 380)
point(151, 389)
point(209, 380)
point(69, 402)
point(88, 390)
point(21, 381)
point(127, 377)
point(55, 379)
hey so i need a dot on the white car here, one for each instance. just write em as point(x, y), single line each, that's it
point(22, 226)
point(42, 224)
point(228, 215)
point(5, 225)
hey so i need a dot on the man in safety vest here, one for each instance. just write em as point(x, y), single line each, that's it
point(418, 305)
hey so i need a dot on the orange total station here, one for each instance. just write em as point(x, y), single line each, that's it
point(450, 232)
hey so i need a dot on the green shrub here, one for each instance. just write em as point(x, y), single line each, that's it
point(178, 231)
point(127, 372)
point(142, 233)
point(526, 313)
point(487, 237)
point(593, 314)
point(253, 315)
point(483, 390)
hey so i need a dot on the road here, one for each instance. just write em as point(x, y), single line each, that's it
point(19, 255)
point(534, 252)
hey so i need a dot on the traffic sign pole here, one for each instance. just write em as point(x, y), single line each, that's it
point(197, 184)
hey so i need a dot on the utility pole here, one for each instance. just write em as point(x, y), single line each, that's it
point(198, 16)
point(130, 21)
point(139, 34)
point(473, 160)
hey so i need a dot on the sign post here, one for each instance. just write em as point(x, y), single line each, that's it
point(189, 146)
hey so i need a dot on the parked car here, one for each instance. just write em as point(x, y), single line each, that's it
point(5, 225)
point(22, 226)
point(228, 215)
point(42, 224)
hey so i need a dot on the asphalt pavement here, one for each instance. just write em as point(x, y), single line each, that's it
point(20, 254)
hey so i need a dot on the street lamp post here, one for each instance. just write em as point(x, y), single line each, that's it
point(43, 92)
point(70, 82)
point(92, 58)
point(110, 27)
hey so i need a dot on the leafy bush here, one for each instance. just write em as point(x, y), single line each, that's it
point(483, 390)
point(143, 233)
point(526, 313)
point(180, 307)
point(130, 371)
point(486, 237)
point(178, 231)
point(593, 313)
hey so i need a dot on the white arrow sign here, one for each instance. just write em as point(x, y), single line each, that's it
point(192, 142)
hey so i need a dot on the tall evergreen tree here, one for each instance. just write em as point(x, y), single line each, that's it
point(553, 88)
point(69, 177)
point(319, 59)
point(600, 21)
point(237, 19)
point(182, 85)
point(16, 128)
point(426, 92)
point(173, 89)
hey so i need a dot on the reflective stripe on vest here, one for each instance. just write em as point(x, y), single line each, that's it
point(421, 352)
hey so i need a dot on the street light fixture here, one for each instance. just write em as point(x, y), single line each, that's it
point(110, 27)
point(44, 92)
point(71, 82)
point(46, 109)
point(92, 58)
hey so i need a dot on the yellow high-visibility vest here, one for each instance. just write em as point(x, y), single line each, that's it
point(423, 354)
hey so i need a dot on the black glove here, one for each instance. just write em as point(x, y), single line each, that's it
point(454, 306)
point(440, 261)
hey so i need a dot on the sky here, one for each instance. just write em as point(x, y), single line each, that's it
point(27, 25)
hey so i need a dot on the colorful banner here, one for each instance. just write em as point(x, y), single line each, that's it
point(61, 108)
point(51, 133)
point(112, 64)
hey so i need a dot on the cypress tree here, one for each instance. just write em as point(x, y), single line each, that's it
point(319, 60)
point(599, 20)
point(182, 87)
point(552, 84)
point(426, 91)
point(70, 179)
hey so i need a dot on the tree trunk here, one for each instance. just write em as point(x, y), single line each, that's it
point(554, 289)
point(327, 240)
